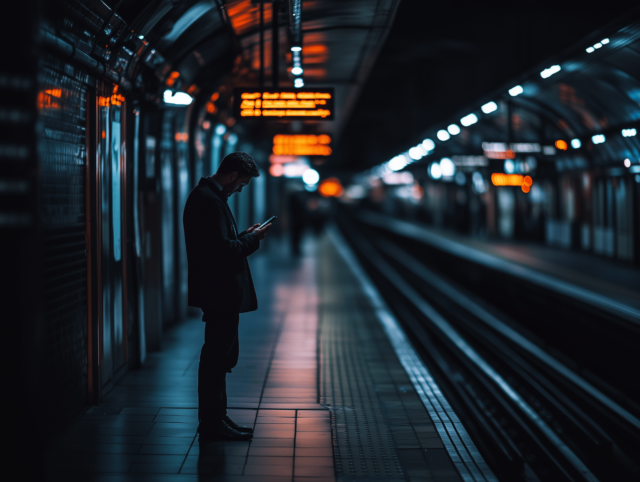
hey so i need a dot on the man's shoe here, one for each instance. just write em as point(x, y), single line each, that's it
point(235, 426)
point(222, 432)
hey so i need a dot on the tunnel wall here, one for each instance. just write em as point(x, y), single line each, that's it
point(62, 105)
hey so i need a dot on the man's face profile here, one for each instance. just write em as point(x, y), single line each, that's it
point(238, 183)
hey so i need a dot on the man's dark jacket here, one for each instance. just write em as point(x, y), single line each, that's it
point(219, 275)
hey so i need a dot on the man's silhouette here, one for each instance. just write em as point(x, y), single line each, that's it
point(220, 284)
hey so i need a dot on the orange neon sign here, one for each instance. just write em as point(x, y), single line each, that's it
point(301, 145)
point(331, 187)
point(308, 104)
point(501, 179)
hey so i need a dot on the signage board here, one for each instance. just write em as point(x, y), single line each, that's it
point(284, 104)
point(301, 145)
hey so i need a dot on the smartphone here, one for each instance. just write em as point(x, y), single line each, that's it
point(271, 219)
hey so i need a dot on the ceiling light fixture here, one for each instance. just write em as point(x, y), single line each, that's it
point(517, 90)
point(546, 73)
point(489, 107)
point(469, 120)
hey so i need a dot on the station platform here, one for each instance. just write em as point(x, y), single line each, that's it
point(333, 393)
point(610, 278)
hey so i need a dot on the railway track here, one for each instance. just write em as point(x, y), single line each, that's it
point(530, 410)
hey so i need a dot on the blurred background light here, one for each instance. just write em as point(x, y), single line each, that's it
point(562, 145)
point(435, 171)
point(604, 41)
point(629, 132)
point(331, 187)
point(415, 154)
point(296, 70)
point(179, 98)
point(469, 120)
point(598, 139)
point(447, 167)
point(590, 49)
point(310, 176)
point(428, 144)
point(298, 83)
point(453, 129)
point(489, 107)
point(397, 163)
point(398, 178)
point(517, 90)
point(509, 166)
point(276, 170)
point(597, 46)
point(355, 191)
point(443, 135)
point(627, 163)
point(477, 182)
point(575, 143)
point(296, 48)
point(546, 73)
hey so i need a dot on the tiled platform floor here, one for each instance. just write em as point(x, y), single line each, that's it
point(373, 426)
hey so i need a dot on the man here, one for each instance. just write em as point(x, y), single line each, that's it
point(220, 284)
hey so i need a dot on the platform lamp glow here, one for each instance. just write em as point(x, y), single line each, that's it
point(179, 98)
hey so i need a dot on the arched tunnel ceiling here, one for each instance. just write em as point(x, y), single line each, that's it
point(438, 60)
point(196, 45)
point(594, 93)
point(441, 59)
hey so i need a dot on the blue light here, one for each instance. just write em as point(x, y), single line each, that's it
point(575, 143)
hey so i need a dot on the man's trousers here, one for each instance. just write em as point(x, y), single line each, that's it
point(218, 356)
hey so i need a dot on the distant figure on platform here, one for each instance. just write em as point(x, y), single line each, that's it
point(220, 284)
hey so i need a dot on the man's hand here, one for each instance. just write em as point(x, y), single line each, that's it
point(252, 228)
point(260, 232)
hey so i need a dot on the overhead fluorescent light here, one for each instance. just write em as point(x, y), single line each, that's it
point(517, 90)
point(428, 144)
point(469, 120)
point(489, 107)
point(180, 98)
point(629, 132)
point(546, 73)
point(453, 129)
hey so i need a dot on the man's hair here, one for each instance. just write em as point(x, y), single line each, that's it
point(239, 162)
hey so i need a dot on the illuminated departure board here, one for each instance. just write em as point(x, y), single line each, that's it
point(284, 104)
point(301, 145)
